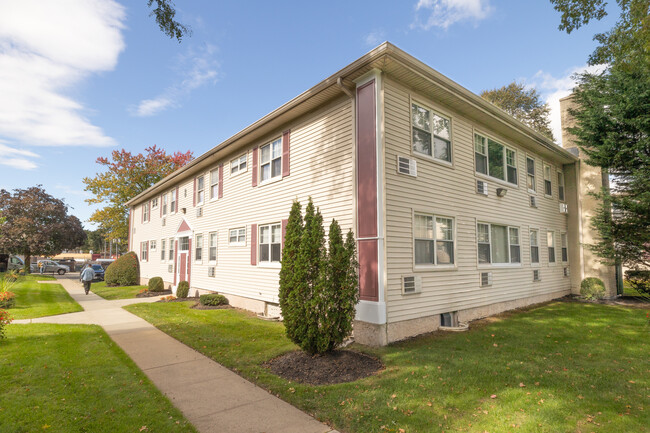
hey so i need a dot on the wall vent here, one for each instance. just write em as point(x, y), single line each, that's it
point(199, 212)
point(536, 275)
point(449, 319)
point(211, 271)
point(486, 279)
point(170, 268)
point(533, 201)
point(482, 187)
point(564, 208)
point(411, 284)
point(407, 166)
point(566, 272)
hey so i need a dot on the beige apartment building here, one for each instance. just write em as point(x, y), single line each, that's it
point(460, 211)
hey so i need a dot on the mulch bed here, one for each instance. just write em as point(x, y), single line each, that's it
point(149, 294)
point(198, 306)
point(338, 366)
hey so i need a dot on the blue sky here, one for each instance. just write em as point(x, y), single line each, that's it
point(79, 78)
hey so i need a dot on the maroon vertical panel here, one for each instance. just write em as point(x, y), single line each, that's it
point(181, 270)
point(254, 170)
point(178, 198)
point(368, 270)
point(284, 230)
point(253, 244)
point(189, 261)
point(175, 259)
point(160, 204)
point(286, 140)
point(220, 180)
point(194, 194)
point(366, 161)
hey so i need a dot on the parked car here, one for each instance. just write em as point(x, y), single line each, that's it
point(99, 272)
point(10, 262)
point(50, 267)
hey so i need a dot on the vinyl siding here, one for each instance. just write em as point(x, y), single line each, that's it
point(451, 191)
point(322, 158)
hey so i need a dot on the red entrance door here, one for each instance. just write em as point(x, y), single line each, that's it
point(182, 272)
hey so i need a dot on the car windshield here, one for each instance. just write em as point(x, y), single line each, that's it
point(98, 268)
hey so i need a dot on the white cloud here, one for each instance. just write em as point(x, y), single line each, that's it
point(444, 13)
point(552, 89)
point(17, 158)
point(198, 68)
point(46, 48)
point(374, 38)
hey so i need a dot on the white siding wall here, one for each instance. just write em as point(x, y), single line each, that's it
point(322, 161)
point(451, 191)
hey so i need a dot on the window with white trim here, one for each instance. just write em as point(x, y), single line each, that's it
point(495, 159)
point(431, 133)
point(565, 247)
point(560, 185)
point(145, 212)
point(184, 243)
point(270, 246)
point(152, 245)
point(163, 249)
point(433, 240)
point(237, 236)
point(198, 248)
point(534, 246)
point(548, 186)
point(498, 244)
point(154, 203)
point(271, 160)
point(164, 204)
point(144, 251)
point(212, 247)
point(171, 249)
point(530, 171)
point(550, 239)
point(172, 207)
point(200, 190)
point(214, 183)
point(238, 165)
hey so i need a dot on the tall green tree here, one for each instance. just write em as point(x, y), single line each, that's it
point(522, 104)
point(37, 224)
point(292, 308)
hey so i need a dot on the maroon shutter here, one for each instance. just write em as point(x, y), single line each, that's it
point(220, 180)
point(142, 215)
point(189, 261)
point(175, 259)
point(160, 204)
point(178, 198)
point(285, 152)
point(254, 170)
point(194, 195)
point(253, 244)
point(284, 230)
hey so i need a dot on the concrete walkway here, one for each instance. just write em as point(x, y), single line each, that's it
point(212, 398)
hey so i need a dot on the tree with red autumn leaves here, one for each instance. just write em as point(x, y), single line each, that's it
point(126, 176)
point(35, 223)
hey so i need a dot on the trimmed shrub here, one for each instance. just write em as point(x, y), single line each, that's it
point(183, 289)
point(7, 299)
point(213, 300)
point(592, 289)
point(124, 271)
point(639, 280)
point(156, 284)
point(5, 319)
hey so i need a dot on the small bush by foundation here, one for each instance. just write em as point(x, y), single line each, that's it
point(592, 289)
point(213, 300)
point(156, 284)
point(183, 289)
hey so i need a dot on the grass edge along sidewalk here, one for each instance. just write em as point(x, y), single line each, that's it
point(558, 367)
point(113, 293)
point(65, 378)
point(34, 299)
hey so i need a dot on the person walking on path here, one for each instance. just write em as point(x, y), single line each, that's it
point(87, 276)
point(41, 268)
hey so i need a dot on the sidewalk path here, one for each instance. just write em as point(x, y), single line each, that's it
point(212, 398)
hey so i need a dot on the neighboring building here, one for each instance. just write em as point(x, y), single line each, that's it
point(457, 207)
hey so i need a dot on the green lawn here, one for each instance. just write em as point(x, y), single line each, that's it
point(35, 299)
point(73, 378)
point(110, 293)
point(557, 368)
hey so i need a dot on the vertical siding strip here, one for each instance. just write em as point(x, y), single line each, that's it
point(253, 244)
point(160, 200)
point(254, 170)
point(175, 259)
point(366, 161)
point(189, 261)
point(220, 180)
point(368, 270)
point(286, 140)
point(194, 194)
point(178, 198)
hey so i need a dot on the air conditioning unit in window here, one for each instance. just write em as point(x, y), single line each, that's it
point(199, 212)
point(211, 271)
point(407, 166)
point(486, 279)
point(164, 221)
point(536, 275)
point(411, 284)
point(533, 201)
point(564, 208)
point(170, 268)
point(482, 187)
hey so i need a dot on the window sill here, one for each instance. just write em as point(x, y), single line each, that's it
point(426, 157)
point(548, 196)
point(433, 268)
point(269, 265)
point(212, 263)
point(270, 181)
point(535, 265)
point(238, 173)
point(496, 180)
point(532, 191)
point(237, 244)
point(499, 265)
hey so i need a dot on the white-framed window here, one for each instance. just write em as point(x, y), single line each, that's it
point(530, 174)
point(495, 159)
point(163, 249)
point(534, 246)
point(214, 183)
point(144, 251)
point(145, 212)
point(152, 245)
point(270, 246)
point(237, 237)
point(198, 248)
point(271, 160)
point(212, 246)
point(164, 204)
point(560, 185)
point(171, 249)
point(184, 243)
point(238, 165)
point(172, 203)
point(550, 239)
point(200, 190)
point(548, 185)
point(433, 239)
point(565, 247)
point(431, 133)
point(498, 244)
point(154, 203)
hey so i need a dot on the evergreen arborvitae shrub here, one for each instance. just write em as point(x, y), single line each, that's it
point(183, 289)
point(156, 284)
point(213, 299)
point(291, 308)
point(639, 280)
point(592, 288)
point(124, 271)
